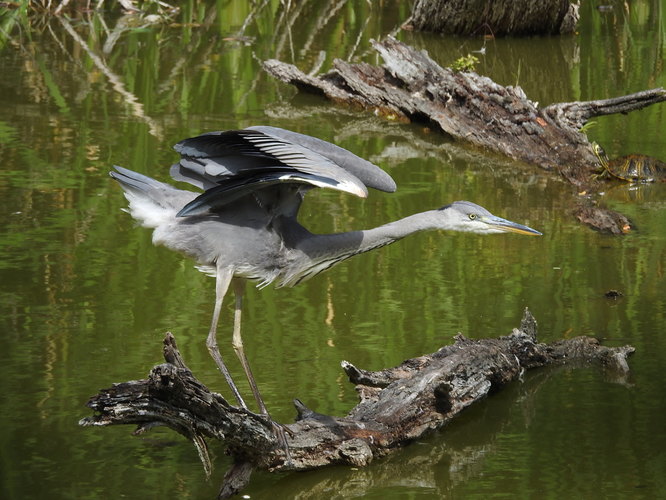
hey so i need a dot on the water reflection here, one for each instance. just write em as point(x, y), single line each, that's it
point(473, 455)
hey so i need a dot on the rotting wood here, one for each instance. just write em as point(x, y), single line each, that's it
point(397, 405)
point(470, 108)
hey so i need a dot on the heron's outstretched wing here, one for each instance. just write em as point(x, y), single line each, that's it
point(369, 173)
point(233, 163)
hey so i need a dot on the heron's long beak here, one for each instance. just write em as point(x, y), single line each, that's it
point(510, 227)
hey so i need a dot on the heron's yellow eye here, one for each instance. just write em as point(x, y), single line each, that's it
point(472, 216)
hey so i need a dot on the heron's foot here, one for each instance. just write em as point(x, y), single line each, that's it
point(280, 432)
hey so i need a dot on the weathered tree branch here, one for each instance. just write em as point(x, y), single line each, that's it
point(468, 107)
point(397, 405)
point(576, 114)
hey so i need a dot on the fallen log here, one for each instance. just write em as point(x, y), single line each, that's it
point(498, 18)
point(471, 108)
point(397, 405)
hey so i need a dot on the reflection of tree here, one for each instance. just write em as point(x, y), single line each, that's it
point(173, 61)
point(615, 53)
point(130, 99)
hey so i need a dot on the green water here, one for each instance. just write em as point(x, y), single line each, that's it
point(85, 297)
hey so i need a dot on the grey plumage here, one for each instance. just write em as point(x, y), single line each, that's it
point(244, 225)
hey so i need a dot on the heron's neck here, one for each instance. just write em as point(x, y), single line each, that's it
point(396, 230)
point(345, 245)
point(315, 253)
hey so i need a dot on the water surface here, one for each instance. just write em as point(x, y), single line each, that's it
point(85, 297)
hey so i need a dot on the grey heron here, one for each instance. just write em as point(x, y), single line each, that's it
point(244, 226)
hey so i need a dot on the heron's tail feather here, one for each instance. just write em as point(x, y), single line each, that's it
point(151, 202)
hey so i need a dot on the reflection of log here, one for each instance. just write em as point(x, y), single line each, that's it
point(508, 17)
point(443, 462)
point(472, 108)
point(397, 404)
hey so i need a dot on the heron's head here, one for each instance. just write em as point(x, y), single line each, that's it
point(469, 217)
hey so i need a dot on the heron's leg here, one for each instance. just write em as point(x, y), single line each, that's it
point(237, 343)
point(222, 282)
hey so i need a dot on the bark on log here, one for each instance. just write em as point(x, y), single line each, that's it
point(472, 108)
point(498, 18)
point(397, 405)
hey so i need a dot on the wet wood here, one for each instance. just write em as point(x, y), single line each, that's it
point(497, 18)
point(397, 405)
point(470, 108)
